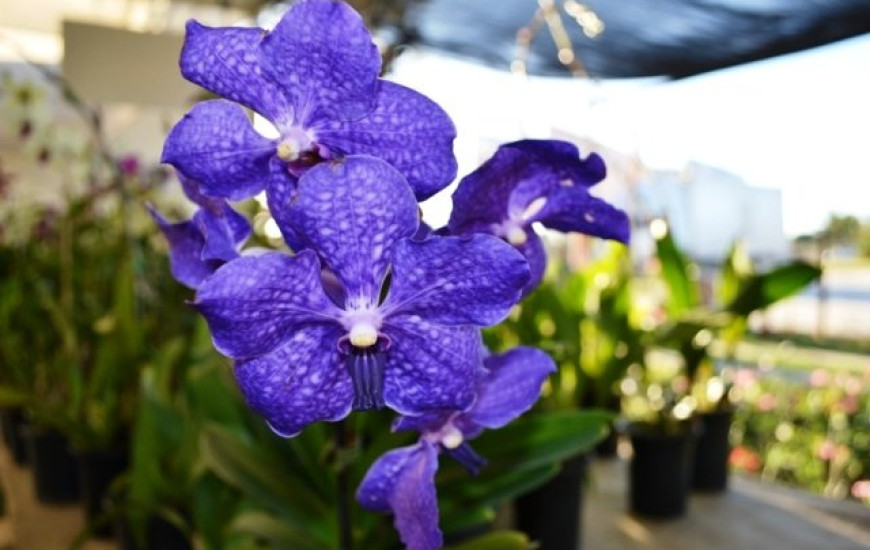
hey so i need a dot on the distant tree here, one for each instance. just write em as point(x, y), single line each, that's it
point(864, 240)
point(841, 230)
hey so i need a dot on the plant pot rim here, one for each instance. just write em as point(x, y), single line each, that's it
point(642, 430)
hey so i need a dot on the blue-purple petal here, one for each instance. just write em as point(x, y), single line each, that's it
point(377, 487)
point(216, 145)
point(351, 212)
point(302, 381)
point(253, 304)
point(192, 191)
point(535, 253)
point(280, 194)
point(429, 367)
point(406, 129)
point(551, 165)
point(516, 175)
point(403, 482)
point(226, 61)
point(574, 209)
point(186, 243)
point(426, 422)
point(511, 387)
point(322, 56)
point(456, 280)
point(481, 198)
point(224, 230)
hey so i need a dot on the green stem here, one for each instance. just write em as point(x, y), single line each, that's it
point(344, 490)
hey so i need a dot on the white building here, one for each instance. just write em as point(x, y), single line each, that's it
point(708, 209)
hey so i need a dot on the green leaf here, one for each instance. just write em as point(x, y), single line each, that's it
point(214, 504)
point(276, 532)
point(761, 291)
point(466, 518)
point(500, 540)
point(265, 480)
point(682, 291)
point(736, 270)
point(13, 397)
point(492, 487)
point(544, 438)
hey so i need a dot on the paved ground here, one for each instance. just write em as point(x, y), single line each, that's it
point(34, 526)
point(750, 516)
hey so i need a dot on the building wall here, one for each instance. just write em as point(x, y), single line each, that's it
point(708, 209)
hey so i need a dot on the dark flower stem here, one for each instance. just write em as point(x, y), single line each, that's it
point(344, 495)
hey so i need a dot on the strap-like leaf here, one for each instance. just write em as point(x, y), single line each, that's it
point(763, 290)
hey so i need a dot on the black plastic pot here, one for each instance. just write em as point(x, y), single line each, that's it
point(159, 534)
point(97, 470)
point(14, 422)
point(607, 447)
point(552, 513)
point(54, 467)
point(660, 472)
point(710, 469)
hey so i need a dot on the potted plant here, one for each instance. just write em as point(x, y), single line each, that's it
point(581, 320)
point(659, 419)
point(694, 329)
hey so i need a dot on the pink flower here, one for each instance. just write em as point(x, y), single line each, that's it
point(744, 459)
point(861, 489)
point(767, 402)
point(854, 386)
point(745, 378)
point(819, 378)
point(848, 404)
point(827, 450)
point(129, 165)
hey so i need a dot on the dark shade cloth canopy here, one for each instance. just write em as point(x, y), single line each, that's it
point(675, 38)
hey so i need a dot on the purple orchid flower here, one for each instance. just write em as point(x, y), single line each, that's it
point(197, 247)
point(315, 77)
point(532, 181)
point(402, 481)
point(301, 357)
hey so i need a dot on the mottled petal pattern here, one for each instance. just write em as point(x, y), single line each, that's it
point(226, 61)
point(551, 164)
point(302, 381)
point(377, 487)
point(406, 129)
point(536, 255)
point(481, 198)
point(415, 502)
point(517, 175)
point(403, 482)
point(457, 280)
point(216, 145)
point(224, 230)
point(574, 209)
point(511, 387)
point(323, 57)
point(253, 303)
point(429, 366)
point(186, 243)
point(280, 194)
point(351, 212)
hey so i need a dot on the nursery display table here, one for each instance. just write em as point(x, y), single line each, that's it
point(31, 525)
point(750, 514)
